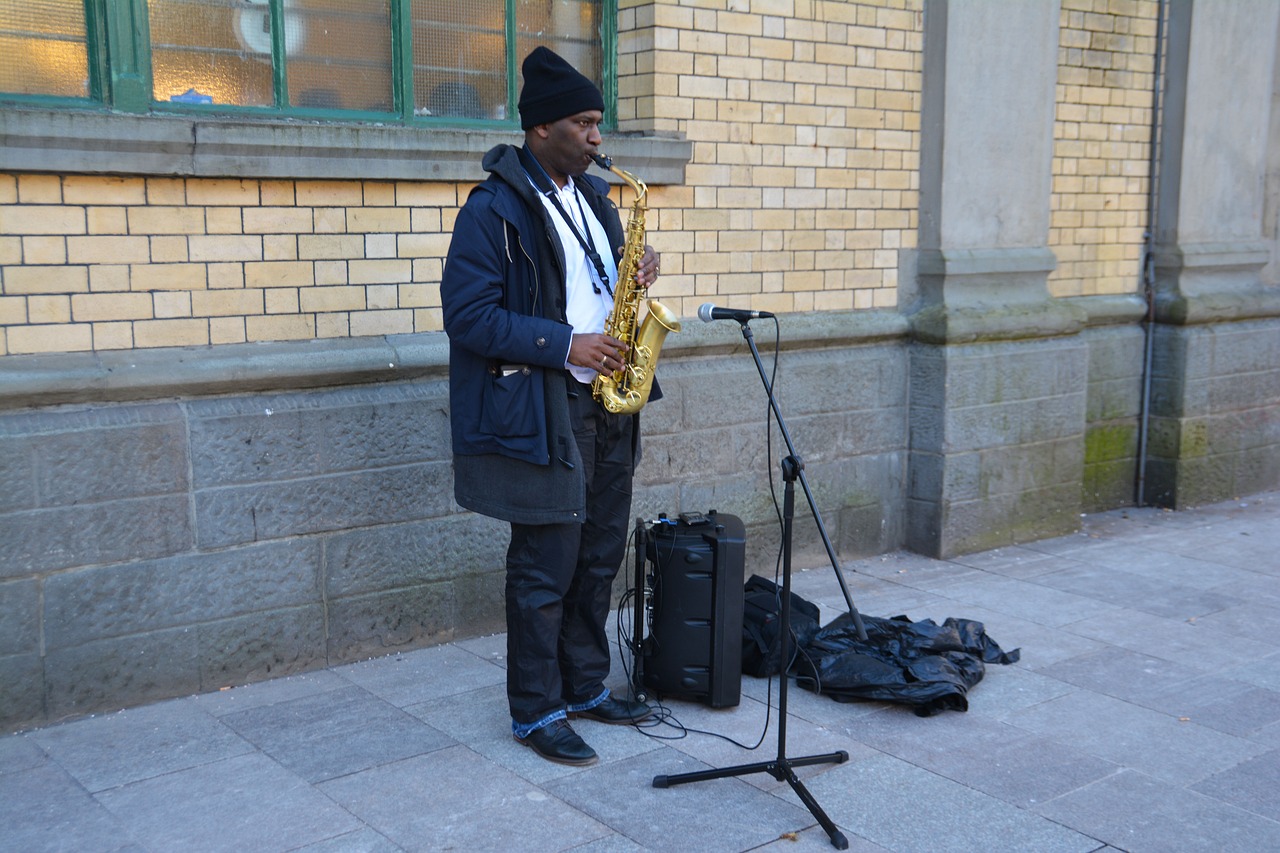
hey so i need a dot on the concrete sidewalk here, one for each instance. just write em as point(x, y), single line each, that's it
point(1144, 715)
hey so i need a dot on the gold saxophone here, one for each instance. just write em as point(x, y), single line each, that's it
point(626, 390)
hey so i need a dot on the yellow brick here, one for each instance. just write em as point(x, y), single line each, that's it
point(48, 309)
point(225, 247)
point(107, 250)
point(364, 220)
point(380, 271)
point(278, 220)
point(10, 251)
point(44, 250)
point(226, 330)
point(170, 191)
point(39, 189)
point(330, 246)
point(223, 220)
point(108, 336)
point(280, 247)
point(277, 193)
point(424, 194)
point(168, 304)
point(279, 274)
point(13, 310)
point(171, 333)
point(331, 272)
point(379, 194)
point(332, 326)
point(329, 193)
point(381, 323)
point(148, 277)
point(224, 276)
point(52, 279)
point(166, 220)
point(8, 189)
point(169, 250)
point(381, 296)
point(280, 327)
point(330, 220)
point(107, 220)
point(419, 296)
point(222, 193)
point(281, 300)
point(103, 190)
point(93, 307)
point(108, 278)
point(423, 245)
point(72, 337)
point(428, 320)
point(428, 270)
point(428, 220)
point(328, 299)
point(41, 219)
point(226, 303)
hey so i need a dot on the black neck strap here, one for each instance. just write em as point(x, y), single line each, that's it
point(537, 175)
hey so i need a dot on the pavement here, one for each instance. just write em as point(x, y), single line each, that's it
point(1143, 715)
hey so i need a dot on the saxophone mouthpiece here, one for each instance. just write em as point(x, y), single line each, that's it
point(602, 161)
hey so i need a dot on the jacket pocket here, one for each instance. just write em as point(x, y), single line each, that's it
point(511, 405)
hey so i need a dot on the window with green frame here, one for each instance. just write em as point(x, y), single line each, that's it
point(417, 61)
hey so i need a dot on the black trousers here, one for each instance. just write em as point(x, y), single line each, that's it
point(560, 577)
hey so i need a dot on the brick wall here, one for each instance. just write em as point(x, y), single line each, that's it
point(801, 192)
point(1102, 145)
point(107, 263)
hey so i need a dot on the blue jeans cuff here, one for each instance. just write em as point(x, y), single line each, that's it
point(587, 706)
point(522, 730)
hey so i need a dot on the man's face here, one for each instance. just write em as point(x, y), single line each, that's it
point(567, 144)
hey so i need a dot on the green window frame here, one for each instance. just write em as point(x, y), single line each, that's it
point(121, 60)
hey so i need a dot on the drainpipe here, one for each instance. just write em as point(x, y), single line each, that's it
point(1148, 262)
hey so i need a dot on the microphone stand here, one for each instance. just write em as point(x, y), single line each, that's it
point(781, 768)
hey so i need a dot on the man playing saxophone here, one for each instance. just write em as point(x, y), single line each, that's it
point(527, 287)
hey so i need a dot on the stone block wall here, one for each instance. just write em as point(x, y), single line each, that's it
point(162, 547)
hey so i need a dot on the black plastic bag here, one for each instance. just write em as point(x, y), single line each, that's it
point(927, 666)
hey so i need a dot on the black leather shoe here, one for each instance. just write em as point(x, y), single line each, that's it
point(617, 711)
point(558, 742)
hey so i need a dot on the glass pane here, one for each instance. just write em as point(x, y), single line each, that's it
point(211, 51)
point(569, 27)
point(42, 48)
point(342, 58)
point(459, 58)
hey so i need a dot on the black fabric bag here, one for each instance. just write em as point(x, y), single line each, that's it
point(762, 611)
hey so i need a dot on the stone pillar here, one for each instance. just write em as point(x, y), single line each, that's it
point(997, 367)
point(1216, 363)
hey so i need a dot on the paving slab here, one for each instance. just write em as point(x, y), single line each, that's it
point(1143, 715)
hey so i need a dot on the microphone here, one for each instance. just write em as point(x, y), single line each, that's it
point(709, 312)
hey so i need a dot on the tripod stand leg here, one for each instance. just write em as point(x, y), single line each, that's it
point(838, 840)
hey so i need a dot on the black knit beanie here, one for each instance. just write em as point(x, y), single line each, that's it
point(553, 89)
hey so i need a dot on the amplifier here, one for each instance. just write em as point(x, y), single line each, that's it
point(689, 587)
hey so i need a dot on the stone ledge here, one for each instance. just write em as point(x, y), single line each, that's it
point(88, 142)
point(125, 375)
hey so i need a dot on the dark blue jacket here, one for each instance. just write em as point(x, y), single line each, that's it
point(503, 295)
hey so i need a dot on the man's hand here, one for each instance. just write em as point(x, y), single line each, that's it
point(600, 352)
point(647, 273)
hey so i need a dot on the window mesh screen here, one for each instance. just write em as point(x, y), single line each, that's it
point(569, 27)
point(43, 49)
point(342, 54)
point(459, 58)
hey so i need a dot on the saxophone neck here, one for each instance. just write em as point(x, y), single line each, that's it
point(639, 186)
